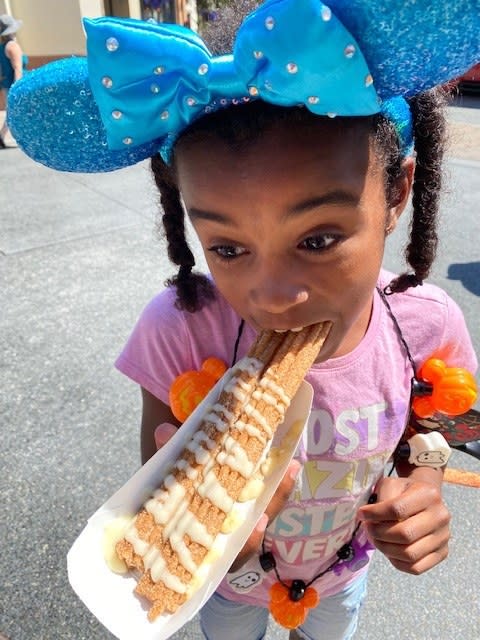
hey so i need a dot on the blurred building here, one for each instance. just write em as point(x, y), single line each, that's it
point(52, 29)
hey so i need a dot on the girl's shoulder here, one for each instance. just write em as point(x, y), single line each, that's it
point(162, 310)
point(431, 322)
point(210, 331)
point(427, 293)
point(417, 304)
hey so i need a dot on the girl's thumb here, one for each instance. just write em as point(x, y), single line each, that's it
point(163, 433)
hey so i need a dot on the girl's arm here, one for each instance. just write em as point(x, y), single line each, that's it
point(154, 413)
point(14, 53)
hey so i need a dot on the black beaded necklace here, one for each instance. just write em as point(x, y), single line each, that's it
point(297, 588)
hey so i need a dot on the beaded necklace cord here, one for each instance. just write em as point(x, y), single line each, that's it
point(237, 341)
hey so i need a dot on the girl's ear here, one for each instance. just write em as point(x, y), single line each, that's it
point(400, 194)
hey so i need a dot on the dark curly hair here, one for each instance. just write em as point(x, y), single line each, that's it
point(243, 123)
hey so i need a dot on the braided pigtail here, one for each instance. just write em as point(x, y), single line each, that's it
point(193, 289)
point(430, 141)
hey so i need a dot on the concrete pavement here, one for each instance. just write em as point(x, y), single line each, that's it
point(79, 258)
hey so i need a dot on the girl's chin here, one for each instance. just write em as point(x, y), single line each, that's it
point(324, 355)
point(334, 347)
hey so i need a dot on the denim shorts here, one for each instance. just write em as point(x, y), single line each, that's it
point(335, 617)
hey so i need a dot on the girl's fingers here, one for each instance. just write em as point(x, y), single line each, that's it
point(417, 550)
point(425, 563)
point(163, 433)
point(409, 531)
point(399, 500)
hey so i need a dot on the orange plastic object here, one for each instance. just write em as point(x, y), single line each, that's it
point(454, 390)
point(287, 612)
point(215, 367)
point(190, 388)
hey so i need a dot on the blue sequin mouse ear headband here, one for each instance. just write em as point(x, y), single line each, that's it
point(142, 84)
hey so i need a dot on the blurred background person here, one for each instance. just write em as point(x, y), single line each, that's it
point(11, 63)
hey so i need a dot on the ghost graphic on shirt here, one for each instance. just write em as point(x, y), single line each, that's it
point(245, 581)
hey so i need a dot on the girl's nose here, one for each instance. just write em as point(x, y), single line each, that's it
point(276, 292)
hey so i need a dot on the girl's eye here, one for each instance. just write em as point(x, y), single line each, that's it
point(227, 252)
point(318, 243)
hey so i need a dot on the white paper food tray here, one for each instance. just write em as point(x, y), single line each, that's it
point(110, 596)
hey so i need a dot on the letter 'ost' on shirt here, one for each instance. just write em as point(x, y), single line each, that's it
point(358, 415)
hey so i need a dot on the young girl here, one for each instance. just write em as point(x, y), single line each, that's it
point(292, 206)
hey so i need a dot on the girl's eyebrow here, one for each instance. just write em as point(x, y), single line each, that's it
point(336, 197)
point(212, 216)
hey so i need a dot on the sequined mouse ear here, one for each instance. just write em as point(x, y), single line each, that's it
point(413, 46)
point(55, 120)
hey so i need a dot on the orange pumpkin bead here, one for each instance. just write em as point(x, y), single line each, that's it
point(190, 388)
point(432, 370)
point(454, 390)
point(215, 367)
point(289, 613)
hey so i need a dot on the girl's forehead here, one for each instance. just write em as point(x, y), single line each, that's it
point(334, 150)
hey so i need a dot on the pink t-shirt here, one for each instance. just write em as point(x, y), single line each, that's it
point(358, 416)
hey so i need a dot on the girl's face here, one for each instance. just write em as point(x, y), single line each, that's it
point(293, 226)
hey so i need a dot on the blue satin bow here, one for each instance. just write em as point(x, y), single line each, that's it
point(152, 81)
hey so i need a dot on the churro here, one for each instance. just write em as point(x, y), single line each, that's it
point(171, 535)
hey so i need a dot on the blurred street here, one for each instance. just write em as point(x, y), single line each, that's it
point(79, 259)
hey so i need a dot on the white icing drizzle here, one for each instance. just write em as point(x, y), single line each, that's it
point(251, 429)
point(139, 546)
point(183, 552)
point(276, 389)
point(215, 492)
point(239, 394)
point(162, 509)
point(170, 481)
point(160, 494)
point(159, 573)
point(258, 417)
point(151, 557)
point(235, 457)
point(154, 561)
point(220, 424)
point(202, 455)
point(220, 409)
point(200, 437)
point(266, 397)
point(189, 471)
point(190, 525)
point(181, 507)
point(252, 366)
point(158, 568)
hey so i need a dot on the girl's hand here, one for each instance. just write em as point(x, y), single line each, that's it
point(162, 435)
point(409, 523)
